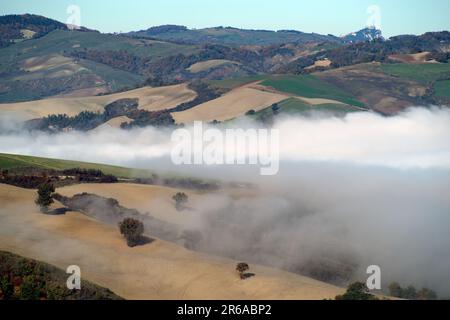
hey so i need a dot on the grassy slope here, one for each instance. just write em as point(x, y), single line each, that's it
point(309, 86)
point(293, 106)
point(8, 161)
point(424, 73)
point(233, 83)
point(442, 89)
point(232, 36)
point(61, 42)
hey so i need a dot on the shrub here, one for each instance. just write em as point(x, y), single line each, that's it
point(132, 230)
point(357, 291)
point(410, 293)
point(45, 196)
point(181, 199)
point(242, 268)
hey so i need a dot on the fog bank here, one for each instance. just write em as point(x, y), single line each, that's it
point(359, 190)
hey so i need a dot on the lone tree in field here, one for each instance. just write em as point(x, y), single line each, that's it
point(181, 199)
point(132, 230)
point(45, 196)
point(242, 268)
point(357, 291)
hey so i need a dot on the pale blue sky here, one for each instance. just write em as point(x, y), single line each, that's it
point(322, 16)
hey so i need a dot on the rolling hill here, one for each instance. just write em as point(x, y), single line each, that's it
point(150, 99)
point(230, 36)
point(73, 67)
point(48, 65)
point(156, 270)
point(18, 162)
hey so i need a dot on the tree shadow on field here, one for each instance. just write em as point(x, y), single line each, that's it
point(246, 276)
point(142, 241)
point(57, 212)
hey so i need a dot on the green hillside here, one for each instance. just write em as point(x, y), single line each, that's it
point(11, 162)
point(60, 41)
point(232, 36)
point(424, 73)
point(294, 106)
point(442, 89)
point(309, 86)
point(42, 67)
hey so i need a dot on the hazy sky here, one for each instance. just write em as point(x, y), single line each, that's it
point(326, 16)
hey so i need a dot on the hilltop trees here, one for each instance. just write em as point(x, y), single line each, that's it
point(45, 196)
point(410, 293)
point(181, 199)
point(357, 291)
point(132, 230)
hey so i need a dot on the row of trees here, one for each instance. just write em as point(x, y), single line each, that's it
point(359, 291)
point(411, 293)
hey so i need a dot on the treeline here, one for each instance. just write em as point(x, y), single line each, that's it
point(411, 293)
point(204, 92)
point(172, 69)
point(33, 180)
point(181, 183)
point(86, 120)
point(143, 118)
point(377, 50)
point(26, 279)
point(11, 26)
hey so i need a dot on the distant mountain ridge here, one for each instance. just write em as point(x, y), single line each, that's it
point(366, 34)
point(16, 28)
point(236, 36)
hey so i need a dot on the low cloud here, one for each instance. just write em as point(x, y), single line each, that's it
point(359, 190)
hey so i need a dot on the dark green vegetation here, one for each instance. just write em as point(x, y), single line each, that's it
point(26, 279)
point(442, 89)
point(357, 291)
point(181, 199)
point(132, 230)
point(231, 36)
point(33, 178)
point(427, 73)
point(87, 120)
point(293, 106)
point(16, 28)
point(411, 293)
point(377, 50)
point(45, 196)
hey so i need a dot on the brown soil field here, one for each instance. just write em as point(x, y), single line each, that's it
point(229, 106)
point(151, 99)
point(159, 270)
